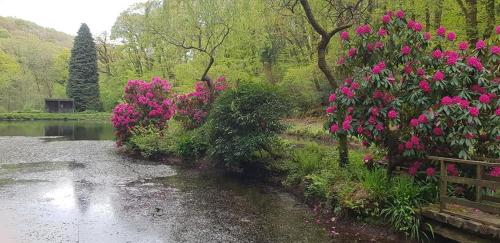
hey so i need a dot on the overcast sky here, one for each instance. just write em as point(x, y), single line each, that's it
point(67, 15)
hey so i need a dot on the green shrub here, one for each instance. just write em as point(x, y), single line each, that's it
point(377, 183)
point(317, 187)
point(405, 197)
point(244, 122)
point(192, 144)
point(147, 140)
point(304, 161)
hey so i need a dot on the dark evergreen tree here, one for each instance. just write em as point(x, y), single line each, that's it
point(83, 81)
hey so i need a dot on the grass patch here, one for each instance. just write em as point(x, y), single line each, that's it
point(89, 116)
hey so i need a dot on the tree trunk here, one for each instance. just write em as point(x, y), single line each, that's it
point(323, 66)
point(438, 13)
point(427, 17)
point(343, 150)
point(470, 13)
point(490, 19)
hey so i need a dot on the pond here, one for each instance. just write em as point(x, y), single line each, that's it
point(80, 188)
point(66, 130)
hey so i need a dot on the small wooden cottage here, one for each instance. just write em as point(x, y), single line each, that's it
point(59, 105)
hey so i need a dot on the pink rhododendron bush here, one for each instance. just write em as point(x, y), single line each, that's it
point(193, 108)
point(416, 94)
point(145, 104)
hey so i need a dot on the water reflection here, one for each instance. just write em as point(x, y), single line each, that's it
point(67, 130)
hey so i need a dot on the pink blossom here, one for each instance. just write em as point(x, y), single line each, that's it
point(374, 111)
point(469, 135)
point(484, 98)
point(495, 171)
point(474, 111)
point(424, 86)
point(497, 112)
point(437, 131)
point(423, 119)
point(332, 98)
point(464, 104)
point(386, 19)
point(451, 36)
point(363, 29)
point(427, 36)
point(379, 45)
point(420, 72)
point(405, 50)
point(331, 109)
point(438, 76)
point(412, 171)
point(452, 169)
point(407, 69)
point(372, 120)
point(451, 58)
point(370, 47)
point(382, 32)
point(377, 94)
point(346, 125)
point(392, 114)
point(497, 29)
point(378, 68)
point(430, 171)
point(352, 52)
point(359, 130)
point(463, 45)
point(480, 44)
point(355, 85)
point(495, 50)
point(437, 54)
point(334, 128)
point(347, 92)
point(417, 27)
point(379, 127)
point(441, 31)
point(478, 89)
point(341, 61)
point(475, 63)
point(400, 14)
point(414, 122)
point(446, 100)
point(411, 24)
point(344, 35)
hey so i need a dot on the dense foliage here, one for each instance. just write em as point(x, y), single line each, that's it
point(245, 121)
point(83, 80)
point(146, 104)
point(33, 64)
point(193, 108)
point(413, 94)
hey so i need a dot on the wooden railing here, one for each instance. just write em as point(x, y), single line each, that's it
point(482, 201)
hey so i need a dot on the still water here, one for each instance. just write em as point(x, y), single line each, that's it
point(66, 130)
point(65, 181)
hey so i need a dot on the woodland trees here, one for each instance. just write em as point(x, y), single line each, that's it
point(83, 81)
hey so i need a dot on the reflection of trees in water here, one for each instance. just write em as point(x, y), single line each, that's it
point(79, 131)
point(73, 130)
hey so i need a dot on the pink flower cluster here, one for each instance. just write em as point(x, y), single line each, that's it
point(192, 108)
point(146, 103)
point(389, 95)
point(364, 29)
point(378, 68)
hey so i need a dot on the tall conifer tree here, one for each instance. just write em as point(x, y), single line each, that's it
point(83, 81)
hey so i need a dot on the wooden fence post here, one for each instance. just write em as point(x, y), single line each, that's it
point(443, 185)
point(479, 175)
